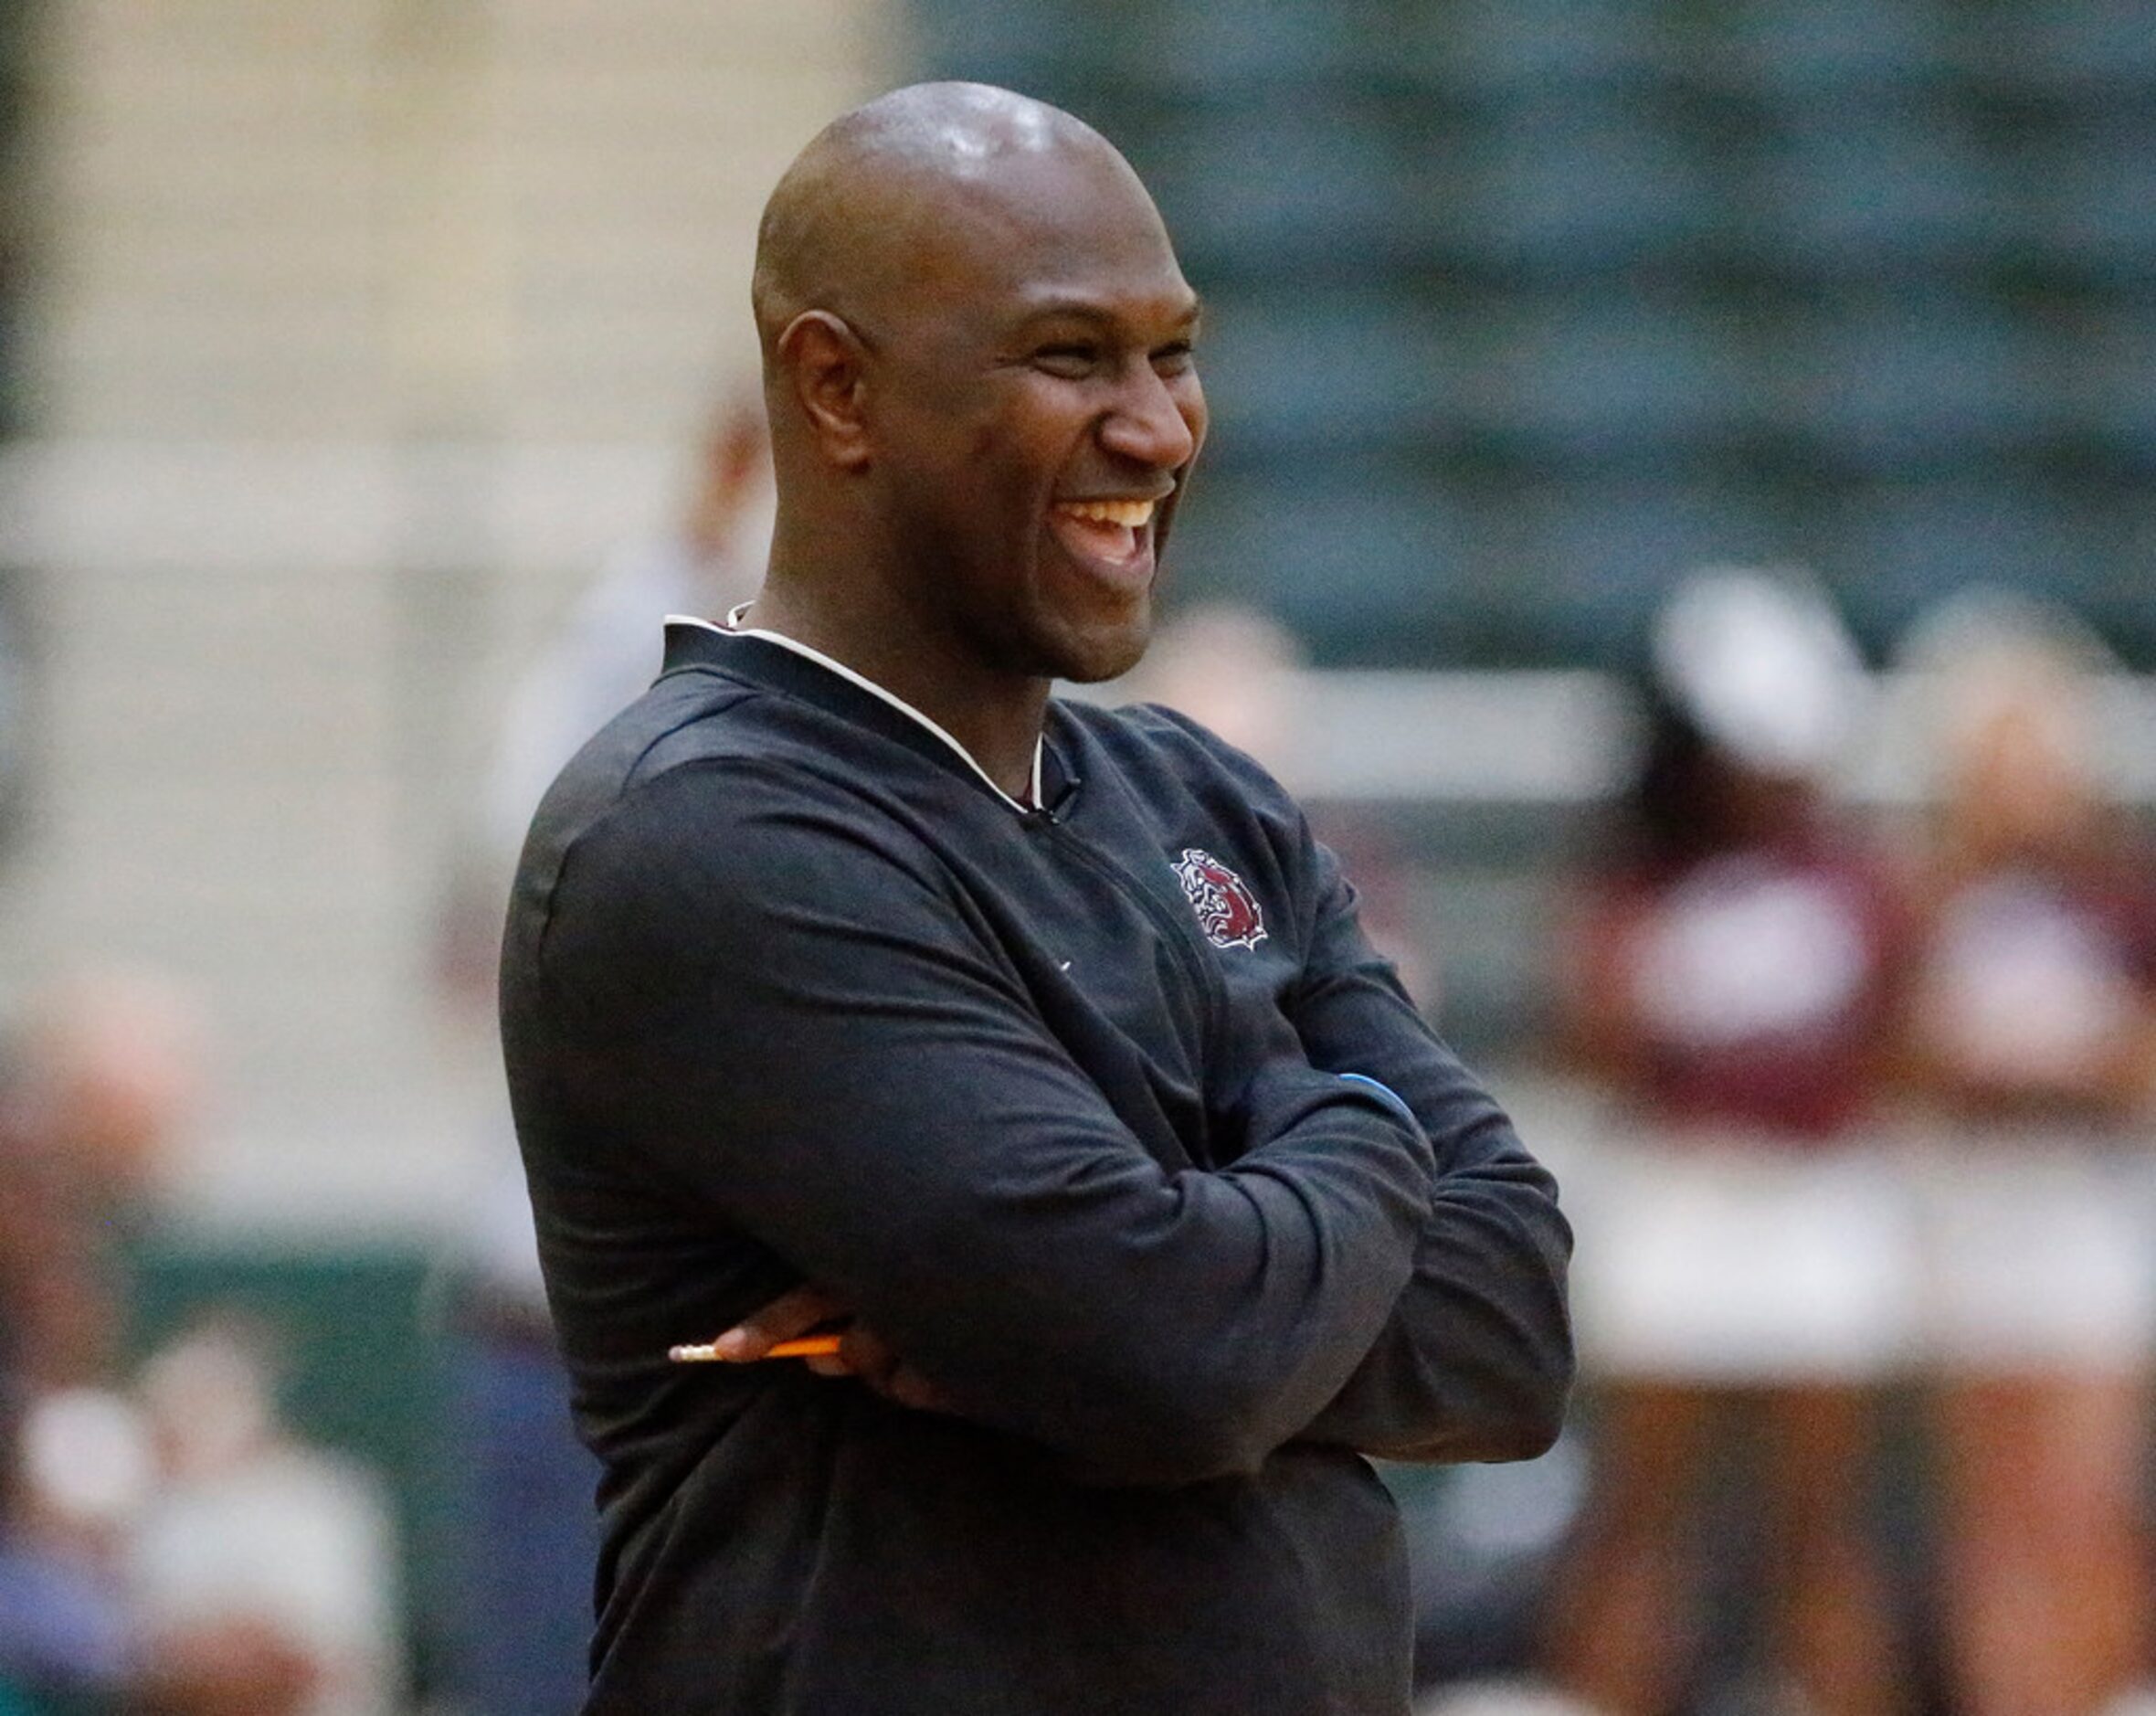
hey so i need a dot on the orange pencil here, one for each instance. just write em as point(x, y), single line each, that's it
point(807, 1347)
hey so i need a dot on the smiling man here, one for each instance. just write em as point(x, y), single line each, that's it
point(852, 978)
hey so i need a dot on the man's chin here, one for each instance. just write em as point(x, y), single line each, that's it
point(1106, 654)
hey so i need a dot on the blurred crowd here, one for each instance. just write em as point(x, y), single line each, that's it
point(1867, 1278)
point(166, 1545)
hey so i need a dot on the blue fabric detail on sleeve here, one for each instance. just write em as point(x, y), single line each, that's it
point(1391, 1096)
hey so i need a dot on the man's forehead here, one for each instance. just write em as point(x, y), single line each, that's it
point(1036, 236)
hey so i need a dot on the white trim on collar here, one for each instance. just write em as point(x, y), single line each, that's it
point(733, 628)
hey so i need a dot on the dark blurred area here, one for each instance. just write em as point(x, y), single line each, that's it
point(1514, 311)
point(1678, 509)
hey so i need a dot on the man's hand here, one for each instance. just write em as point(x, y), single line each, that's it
point(786, 1318)
point(867, 1356)
point(862, 1353)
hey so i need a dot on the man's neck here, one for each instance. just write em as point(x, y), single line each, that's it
point(996, 716)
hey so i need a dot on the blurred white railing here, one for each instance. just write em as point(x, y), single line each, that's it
point(541, 517)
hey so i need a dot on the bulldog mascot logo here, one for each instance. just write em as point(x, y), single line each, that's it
point(1227, 910)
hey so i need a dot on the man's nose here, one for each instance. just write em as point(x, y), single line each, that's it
point(1148, 425)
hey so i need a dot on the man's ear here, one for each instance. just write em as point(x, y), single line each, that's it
point(826, 360)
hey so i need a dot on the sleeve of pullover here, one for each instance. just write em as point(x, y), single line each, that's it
point(790, 1010)
point(1476, 1361)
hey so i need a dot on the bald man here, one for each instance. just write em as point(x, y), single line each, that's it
point(852, 979)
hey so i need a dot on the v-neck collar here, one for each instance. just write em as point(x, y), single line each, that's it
point(686, 632)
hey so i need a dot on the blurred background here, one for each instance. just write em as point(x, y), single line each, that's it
point(370, 382)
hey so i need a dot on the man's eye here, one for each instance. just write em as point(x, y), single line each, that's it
point(1073, 359)
point(1173, 358)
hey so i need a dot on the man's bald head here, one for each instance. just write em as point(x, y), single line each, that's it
point(977, 367)
point(926, 171)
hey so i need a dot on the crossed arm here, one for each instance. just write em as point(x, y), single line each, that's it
point(900, 1129)
point(1476, 1361)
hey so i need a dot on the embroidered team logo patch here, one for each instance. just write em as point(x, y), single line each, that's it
point(1227, 910)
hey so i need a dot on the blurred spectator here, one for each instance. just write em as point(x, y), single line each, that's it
point(603, 655)
point(1238, 671)
point(74, 1465)
point(105, 1074)
point(2031, 1038)
point(103, 1071)
point(530, 1521)
point(1743, 1278)
point(115, 1563)
point(260, 1571)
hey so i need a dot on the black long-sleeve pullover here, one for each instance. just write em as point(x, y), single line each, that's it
point(1053, 1099)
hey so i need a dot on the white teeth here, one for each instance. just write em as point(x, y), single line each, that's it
point(1132, 515)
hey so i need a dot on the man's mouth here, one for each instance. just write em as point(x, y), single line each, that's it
point(1112, 531)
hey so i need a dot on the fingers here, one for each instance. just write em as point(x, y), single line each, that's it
point(787, 1316)
point(869, 1359)
point(908, 1387)
point(862, 1354)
